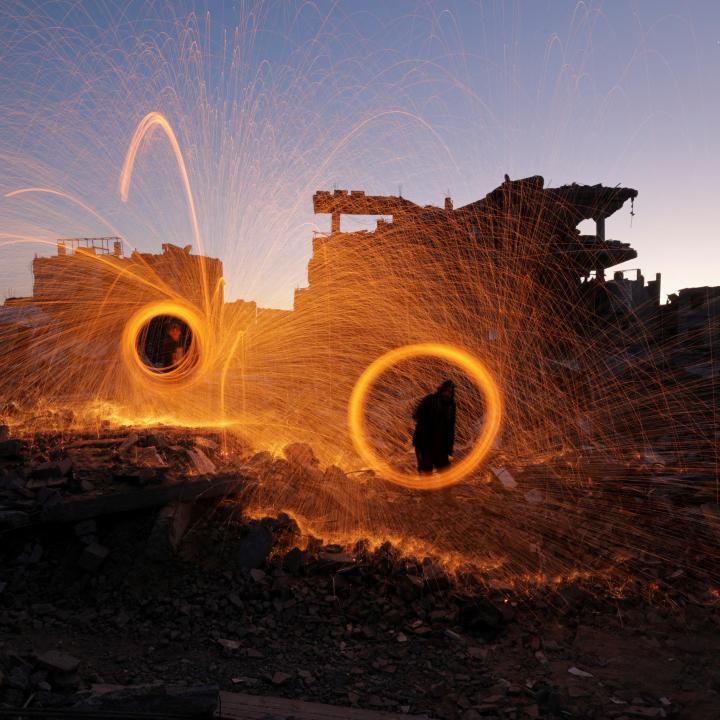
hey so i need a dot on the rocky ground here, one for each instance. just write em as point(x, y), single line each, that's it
point(256, 605)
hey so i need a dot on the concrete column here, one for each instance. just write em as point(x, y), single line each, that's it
point(600, 228)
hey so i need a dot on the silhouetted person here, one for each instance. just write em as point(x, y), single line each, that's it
point(172, 347)
point(434, 436)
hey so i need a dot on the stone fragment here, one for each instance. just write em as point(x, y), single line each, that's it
point(256, 546)
point(12, 519)
point(230, 647)
point(202, 464)
point(148, 457)
point(195, 701)
point(93, 557)
point(505, 477)
point(59, 661)
point(45, 471)
point(577, 672)
point(170, 527)
point(637, 711)
point(280, 678)
point(293, 560)
point(334, 475)
point(534, 497)
point(300, 454)
point(257, 574)
point(86, 527)
point(129, 442)
point(205, 442)
point(10, 449)
point(481, 617)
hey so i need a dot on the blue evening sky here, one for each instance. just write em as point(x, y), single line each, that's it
point(271, 101)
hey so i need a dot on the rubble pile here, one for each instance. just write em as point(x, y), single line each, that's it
point(60, 476)
point(204, 592)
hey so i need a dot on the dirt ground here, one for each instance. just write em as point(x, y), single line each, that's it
point(349, 627)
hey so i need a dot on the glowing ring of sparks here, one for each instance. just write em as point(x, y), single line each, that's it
point(479, 374)
point(193, 364)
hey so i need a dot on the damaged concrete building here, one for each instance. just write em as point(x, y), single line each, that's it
point(82, 298)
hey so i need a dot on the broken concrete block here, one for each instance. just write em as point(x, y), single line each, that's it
point(32, 553)
point(280, 678)
point(129, 442)
point(169, 529)
point(206, 443)
point(333, 561)
point(202, 464)
point(262, 459)
point(10, 449)
point(62, 662)
point(93, 557)
point(230, 647)
point(334, 475)
point(293, 560)
point(505, 477)
point(52, 482)
point(48, 470)
point(534, 497)
point(48, 497)
point(86, 527)
point(11, 519)
point(255, 546)
point(197, 701)
point(147, 457)
point(300, 454)
point(257, 575)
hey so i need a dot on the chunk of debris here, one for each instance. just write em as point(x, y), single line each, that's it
point(205, 442)
point(577, 672)
point(293, 561)
point(148, 457)
point(505, 477)
point(334, 475)
point(170, 527)
point(534, 497)
point(198, 701)
point(300, 454)
point(255, 546)
point(12, 519)
point(93, 557)
point(85, 528)
point(48, 470)
point(10, 449)
point(280, 678)
point(230, 647)
point(62, 662)
point(202, 464)
point(129, 442)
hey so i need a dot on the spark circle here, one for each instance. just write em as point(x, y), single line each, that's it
point(189, 369)
point(478, 373)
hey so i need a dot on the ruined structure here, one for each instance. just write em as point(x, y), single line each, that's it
point(89, 269)
point(64, 339)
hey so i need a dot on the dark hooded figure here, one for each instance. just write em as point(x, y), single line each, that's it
point(434, 435)
point(172, 347)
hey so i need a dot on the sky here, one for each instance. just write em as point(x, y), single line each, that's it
point(271, 101)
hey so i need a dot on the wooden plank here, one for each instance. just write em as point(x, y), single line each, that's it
point(188, 490)
point(239, 706)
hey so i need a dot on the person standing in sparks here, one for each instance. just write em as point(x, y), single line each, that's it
point(172, 349)
point(434, 436)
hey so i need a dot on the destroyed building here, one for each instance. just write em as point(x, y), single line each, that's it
point(508, 277)
point(82, 298)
